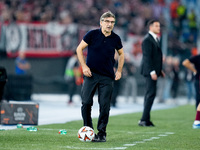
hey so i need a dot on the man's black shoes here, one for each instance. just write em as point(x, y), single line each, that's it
point(146, 124)
point(99, 138)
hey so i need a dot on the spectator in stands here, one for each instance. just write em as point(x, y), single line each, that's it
point(192, 22)
point(182, 13)
point(167, 67)
point(22, 66)
point(130, 82)
point(175, 79)
point(173, 9)
point(73, 77)
point(189, 84)
point(157, 9)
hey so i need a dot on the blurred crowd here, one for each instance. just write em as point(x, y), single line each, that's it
point(130, 14)
point(184, 29)
point(180, 18)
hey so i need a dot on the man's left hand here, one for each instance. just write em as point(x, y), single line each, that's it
point(118, 75)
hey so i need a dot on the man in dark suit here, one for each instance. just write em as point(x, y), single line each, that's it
point(151, 68)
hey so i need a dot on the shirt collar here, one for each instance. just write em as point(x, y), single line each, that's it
point(104, 35)
point(153, 34)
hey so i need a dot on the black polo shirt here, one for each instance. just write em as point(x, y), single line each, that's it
point(101, 51)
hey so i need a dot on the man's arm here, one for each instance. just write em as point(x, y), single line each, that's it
point(189, 65)
point(118, 73)
point(79, 51)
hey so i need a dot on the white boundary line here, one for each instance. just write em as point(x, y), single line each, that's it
point(114, 148)
point(150, 139)
point(125, 146)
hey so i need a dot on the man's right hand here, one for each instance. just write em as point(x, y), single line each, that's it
point(86, 71)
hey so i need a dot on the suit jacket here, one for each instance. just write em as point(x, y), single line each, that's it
point(152, 56)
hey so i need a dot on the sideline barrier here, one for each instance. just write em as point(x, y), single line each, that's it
point(13, 112)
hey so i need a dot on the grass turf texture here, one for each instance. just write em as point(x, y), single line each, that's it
point(173, 131)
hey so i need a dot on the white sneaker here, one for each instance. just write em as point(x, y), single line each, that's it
point(196, 125)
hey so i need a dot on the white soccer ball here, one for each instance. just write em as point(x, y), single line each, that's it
point(86, 134)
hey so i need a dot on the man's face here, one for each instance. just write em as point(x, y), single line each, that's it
point(155, 27)
point(107, 24)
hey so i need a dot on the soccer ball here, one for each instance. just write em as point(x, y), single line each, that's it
point(86, 134)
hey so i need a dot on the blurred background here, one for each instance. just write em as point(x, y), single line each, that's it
point(48, 32)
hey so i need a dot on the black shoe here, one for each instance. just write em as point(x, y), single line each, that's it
point(142, 123)
point(98, 138)
point(146, 124)
point(102, 138)
point(151, 124)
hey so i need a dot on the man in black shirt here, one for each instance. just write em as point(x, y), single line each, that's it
point(98, 71)
point(193, 64)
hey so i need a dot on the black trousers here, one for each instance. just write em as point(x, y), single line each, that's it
point(197, 90)
point(150, 95)
point(105, 87)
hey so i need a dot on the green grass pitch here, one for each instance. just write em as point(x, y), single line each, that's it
point(173, 131)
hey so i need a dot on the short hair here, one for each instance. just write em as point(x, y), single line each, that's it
point(107, 15)
point(152, 22)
